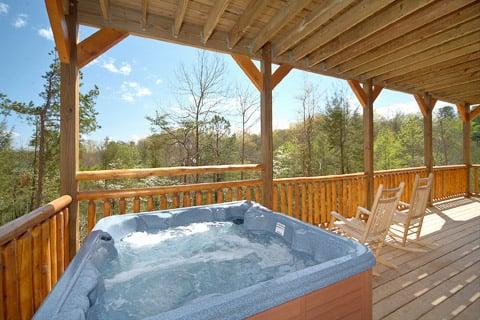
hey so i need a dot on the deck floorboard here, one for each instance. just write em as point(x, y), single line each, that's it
point(443, 283)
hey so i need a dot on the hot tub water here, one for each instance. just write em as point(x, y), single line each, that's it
point(187, 263)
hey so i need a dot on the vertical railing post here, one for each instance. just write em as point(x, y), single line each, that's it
point(266, 124)
point(69, 128)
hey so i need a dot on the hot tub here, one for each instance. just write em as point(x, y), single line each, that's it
point(228, 261)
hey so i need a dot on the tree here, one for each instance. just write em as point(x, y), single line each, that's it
point(308, 106)
point(248, 110)
point(446, 140)
point(200, 90)
point(386, 149)
point(45, 117)
point(411, 141)
point(342, 126)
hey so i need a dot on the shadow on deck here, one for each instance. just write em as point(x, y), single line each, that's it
point(443, 283)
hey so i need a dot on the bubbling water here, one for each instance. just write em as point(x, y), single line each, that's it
point(158, 272)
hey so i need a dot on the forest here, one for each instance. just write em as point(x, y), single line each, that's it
point(326, 139)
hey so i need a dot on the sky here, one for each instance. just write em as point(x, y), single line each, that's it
point(136, 77)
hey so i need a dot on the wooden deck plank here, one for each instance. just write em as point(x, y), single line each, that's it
point(443, 283)
point(460, 300)
point(472, 311)
point(439, 294)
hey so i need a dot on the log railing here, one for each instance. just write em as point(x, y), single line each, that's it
point(475, 172)
point(33, 256)
point(311, 199)
point(103, 203)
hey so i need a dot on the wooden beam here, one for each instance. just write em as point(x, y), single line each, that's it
point(246, 64)
point(69, 130)
point(347, 20)
point(452, 65)
point(442, 52)
point(144, 13)
point(467, 156)
point(446, 79)
point(426, 62)
point(104, 8)
point(280, 73)
point(475, 113)
point(426, 104)
point(279, 20)
point(425, 47)
point(415, 27)
point(266, 125)
point(359, 92)
point(179, 16)
point(218, 8)
point(368, 140)
point(323, 13)
point(461, 109)
point(98, 43)
point(366, 28)
point(253, 10)
point(59, 29)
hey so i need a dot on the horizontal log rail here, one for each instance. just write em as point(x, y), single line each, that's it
point(33, 256)
point(106, 202)
point(164, 172)
point(310, 199)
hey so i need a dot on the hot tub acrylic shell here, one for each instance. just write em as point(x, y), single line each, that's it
point(340, 261)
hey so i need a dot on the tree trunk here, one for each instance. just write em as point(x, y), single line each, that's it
point(41, 159)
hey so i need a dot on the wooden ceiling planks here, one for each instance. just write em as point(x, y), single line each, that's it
point(414, 46)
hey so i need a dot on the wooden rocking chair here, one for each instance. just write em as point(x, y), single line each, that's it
point(409, 221)
point(375, 230)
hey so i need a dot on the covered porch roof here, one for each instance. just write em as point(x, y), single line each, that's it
point(411, 46)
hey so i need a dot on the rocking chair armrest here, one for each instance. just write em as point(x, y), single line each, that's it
point(361, 210)
point(338, 216)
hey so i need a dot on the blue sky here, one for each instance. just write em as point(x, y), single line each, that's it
point(134, 77)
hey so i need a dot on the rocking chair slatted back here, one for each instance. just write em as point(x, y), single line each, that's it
point(383, 209)
point(421, 191)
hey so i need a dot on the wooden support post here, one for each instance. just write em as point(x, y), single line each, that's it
point(426, 104)
point(368, 141)
point(266, 124)
point(467, 158)
point(69, 129)
point(366, 95)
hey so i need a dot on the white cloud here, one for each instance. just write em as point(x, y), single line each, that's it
point(3, 8)
point(158, 81)
point(130, 90)
point(124, 68)
point(391, 110)
point(20, 21)
point(46, 33)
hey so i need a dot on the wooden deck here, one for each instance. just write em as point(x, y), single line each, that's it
point(443, 283)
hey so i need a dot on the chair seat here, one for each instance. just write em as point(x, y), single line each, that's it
point(402, 217)
point(354, 227)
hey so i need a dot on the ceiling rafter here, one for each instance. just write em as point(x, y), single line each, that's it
point(279, 20)
point(179, 16)
point(253, 10)
point(144, 13)
point(104, 8)
point(319, 16)
point(403, 32)
point(362, 30)
point(347, 20)
point(430, 44)
point(215, 14)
